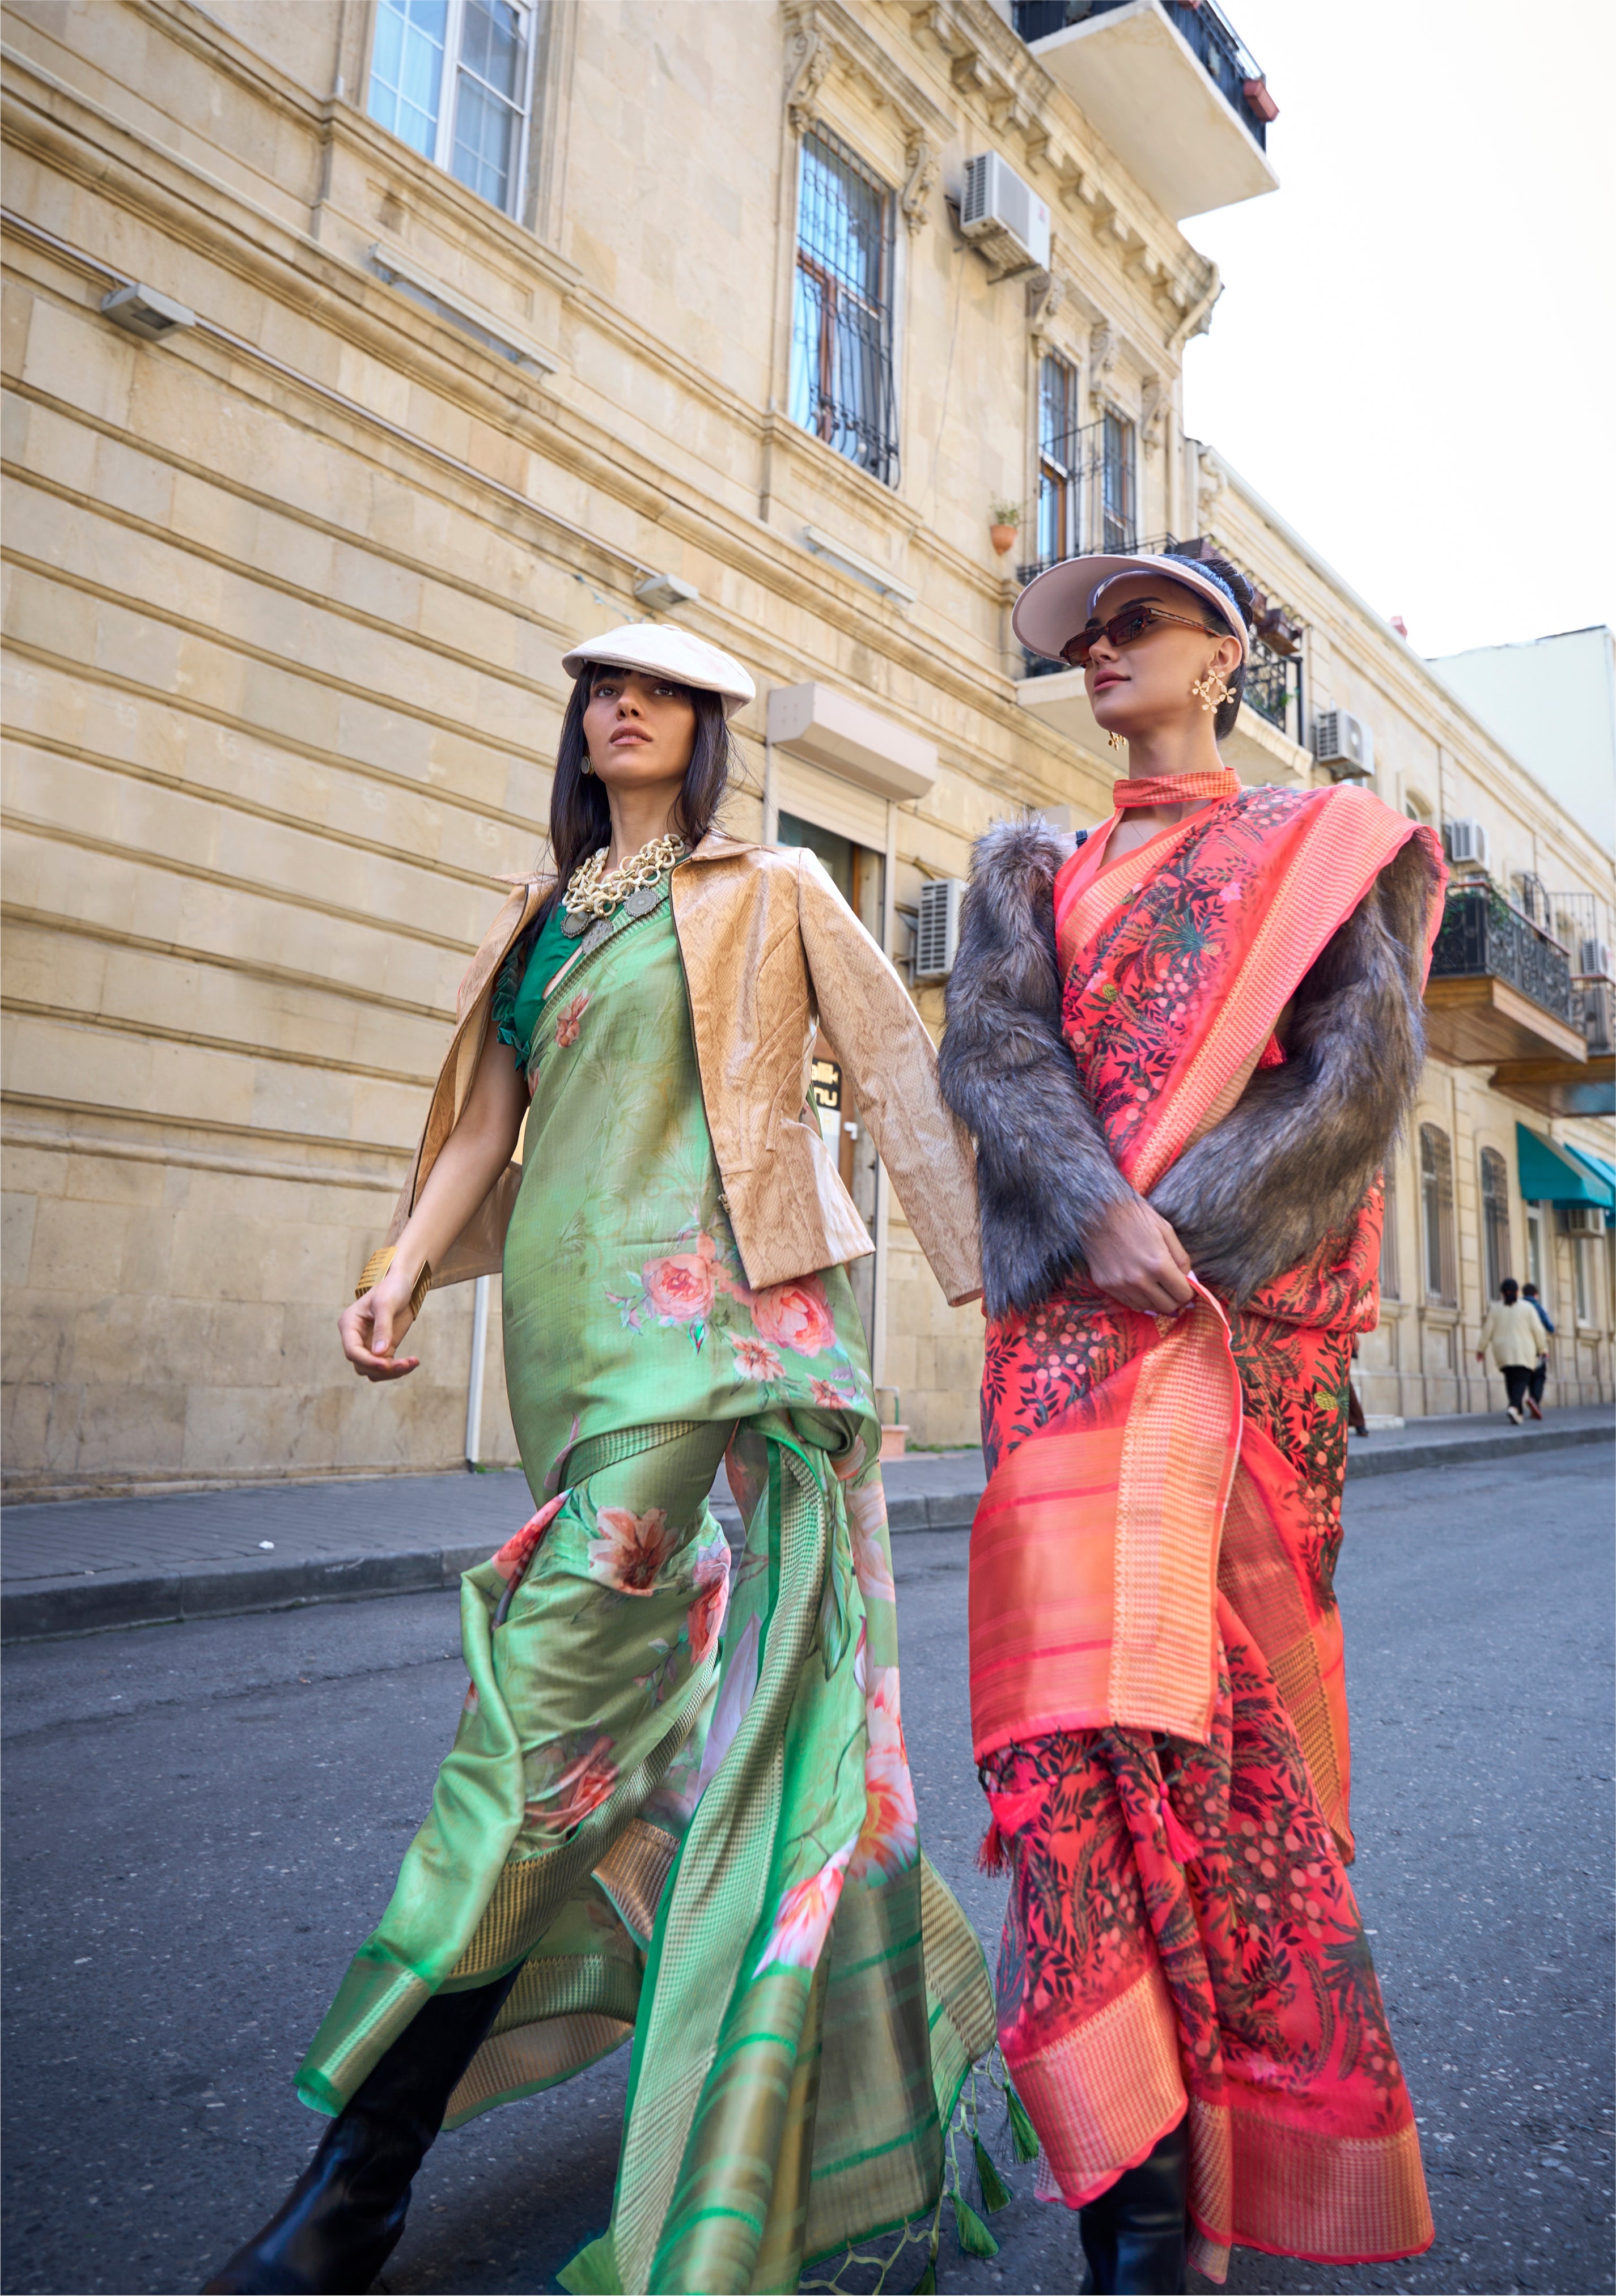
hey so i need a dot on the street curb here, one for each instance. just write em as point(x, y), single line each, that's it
point(1465, 1450)
point(54, 1608)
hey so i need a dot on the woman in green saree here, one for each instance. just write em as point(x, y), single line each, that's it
point(678, 1809)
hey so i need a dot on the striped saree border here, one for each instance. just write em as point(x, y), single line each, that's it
point(1102, 2094)
point(1324, 2199)
point(1179, 1452)
point(534, 2057)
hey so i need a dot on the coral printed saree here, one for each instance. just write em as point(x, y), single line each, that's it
point(1157, 1692)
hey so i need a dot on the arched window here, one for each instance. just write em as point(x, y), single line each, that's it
point(1436, 1205)
point(1494, 1219)
point(1390, 1286)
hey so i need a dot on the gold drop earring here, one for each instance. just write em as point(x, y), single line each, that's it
point(1212, 689)
point(1115, 740)
point(588, 766)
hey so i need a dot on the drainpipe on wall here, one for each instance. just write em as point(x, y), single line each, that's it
point(480, 1356)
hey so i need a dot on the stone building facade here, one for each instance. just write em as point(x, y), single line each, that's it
point(361, 356)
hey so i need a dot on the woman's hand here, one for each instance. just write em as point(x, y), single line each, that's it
point(372, 1327)
point(1135, 1256)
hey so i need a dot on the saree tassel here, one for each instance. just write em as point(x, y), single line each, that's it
point(992, 1856)
point(1182, 1846)
point(972, 2234)
point(1024, 2135)
point(996, 2192)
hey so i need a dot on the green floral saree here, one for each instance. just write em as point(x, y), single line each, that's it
point(678, 1800)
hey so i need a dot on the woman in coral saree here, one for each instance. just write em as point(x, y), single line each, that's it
point(677, 1810)
point(1184, 1048)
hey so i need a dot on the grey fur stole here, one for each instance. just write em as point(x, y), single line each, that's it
point(1288, 1166)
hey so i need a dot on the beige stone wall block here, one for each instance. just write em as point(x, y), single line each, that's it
point(279, 700)
point(126, 479)
point(36, 1338)
point(43, 969)
point(378, 585)
point(371, 734)
point(383, 389)
point(195, 1083)
point(141, 648)
point(78, 1247)
point(56, 1061)
point(18, 1212)
point(79, 360)
point(131, 1430)
point(33, 1170)
point(59, 446)
point(43, 615)
point(314, 1104)
point(390, 1114)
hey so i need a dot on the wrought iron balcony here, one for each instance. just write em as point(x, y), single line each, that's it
point(1221, 54)
point(1482, 936)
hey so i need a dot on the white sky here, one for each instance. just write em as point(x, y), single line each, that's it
point(1411, 358)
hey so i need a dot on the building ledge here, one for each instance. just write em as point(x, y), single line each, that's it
point(1136, 80)
point(1476, 1018)
point(1561, 1088)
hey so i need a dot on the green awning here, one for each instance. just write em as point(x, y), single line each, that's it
point(1603, 1171)
point(1551, 1174)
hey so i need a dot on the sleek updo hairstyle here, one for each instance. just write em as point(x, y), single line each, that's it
point(1234, 580)
point(580, 820)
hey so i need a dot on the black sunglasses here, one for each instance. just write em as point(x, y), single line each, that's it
point(1124, 627)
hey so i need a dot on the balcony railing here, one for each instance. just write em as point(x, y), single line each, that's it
point(1222, 55)
point(1273, 688)
point(1481, 936)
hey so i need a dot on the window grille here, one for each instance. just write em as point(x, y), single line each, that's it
point(1390, 1286)
point(1436, 1204)
point(453, 78)
point(1116, 515)
point(1494, 1219)
point(1059, 461)
point(842, 336)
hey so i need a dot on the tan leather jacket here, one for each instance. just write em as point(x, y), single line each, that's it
point(770, 949)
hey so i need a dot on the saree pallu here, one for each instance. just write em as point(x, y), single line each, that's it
point(1158, 1700)
point(679, 1802)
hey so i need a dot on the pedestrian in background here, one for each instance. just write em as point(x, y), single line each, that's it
point(1534, 1392)
point(1515, 1335)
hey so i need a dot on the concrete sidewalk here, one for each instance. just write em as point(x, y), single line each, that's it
point(82, 1565)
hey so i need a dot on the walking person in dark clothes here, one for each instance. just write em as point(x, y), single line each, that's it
point(1535, 1385)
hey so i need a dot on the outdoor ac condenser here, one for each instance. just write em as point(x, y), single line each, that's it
point(937, 931)
point(1594, 959)
point(1584, 1219)
point(1345, 744)
point(998, 205)
point(1466, 840)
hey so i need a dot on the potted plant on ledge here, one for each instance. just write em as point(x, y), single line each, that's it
point(1004, 520)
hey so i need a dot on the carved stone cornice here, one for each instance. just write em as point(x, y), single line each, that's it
point(824, 36)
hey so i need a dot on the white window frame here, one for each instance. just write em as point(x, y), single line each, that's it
point(442, 154)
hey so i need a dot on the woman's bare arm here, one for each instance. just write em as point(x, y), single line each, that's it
point(469, 1163)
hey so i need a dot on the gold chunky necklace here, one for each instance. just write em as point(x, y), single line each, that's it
point(595, 890)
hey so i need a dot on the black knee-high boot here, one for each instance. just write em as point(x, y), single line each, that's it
point(344, 2217)
point(1135, 2236)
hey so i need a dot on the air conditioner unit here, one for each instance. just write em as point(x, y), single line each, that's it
point(1584, 1219)
point(937, 931)
point(1591, 1003)
point(998, 205)
point(1345, 744)
point(1594, 959)
point(1466, 840)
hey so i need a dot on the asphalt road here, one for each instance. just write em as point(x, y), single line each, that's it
point(204, 1820)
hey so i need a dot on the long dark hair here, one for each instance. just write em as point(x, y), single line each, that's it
point(580, 820)
point(1232, 576)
